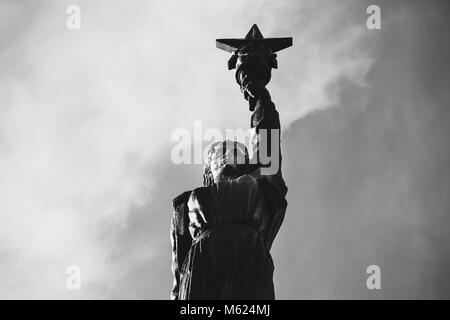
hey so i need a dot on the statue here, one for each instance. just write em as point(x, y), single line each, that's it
point(222, 232)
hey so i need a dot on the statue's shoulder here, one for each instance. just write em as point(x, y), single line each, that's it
point(273, 182)
point(200, 192)
point(181, 200)
point(200, 197)
point(180, 218)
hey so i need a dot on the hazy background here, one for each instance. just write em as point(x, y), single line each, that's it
point(86, 118)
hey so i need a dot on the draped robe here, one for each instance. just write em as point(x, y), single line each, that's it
point(222, 234)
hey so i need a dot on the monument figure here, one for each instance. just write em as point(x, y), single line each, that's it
point(222, 232)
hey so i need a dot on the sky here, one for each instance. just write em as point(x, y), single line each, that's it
point(86, 117)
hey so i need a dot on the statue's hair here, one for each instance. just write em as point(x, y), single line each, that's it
point(220, 149)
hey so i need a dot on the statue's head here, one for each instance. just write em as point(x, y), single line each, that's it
point(226, 159)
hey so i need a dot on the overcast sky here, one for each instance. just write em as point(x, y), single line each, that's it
point(86, 118)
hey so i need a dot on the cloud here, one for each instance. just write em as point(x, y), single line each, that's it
point(86, 117)
point(368, 177)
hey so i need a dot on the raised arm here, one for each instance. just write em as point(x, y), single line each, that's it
point(265, 124)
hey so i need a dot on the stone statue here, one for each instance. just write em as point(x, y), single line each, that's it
point(222, 232)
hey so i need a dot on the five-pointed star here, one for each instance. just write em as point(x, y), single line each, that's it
point(255, 36)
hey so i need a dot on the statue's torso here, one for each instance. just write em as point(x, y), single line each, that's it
point(232, 225)
point(245, 200)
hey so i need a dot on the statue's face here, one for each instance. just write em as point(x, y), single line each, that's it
point(227, 159)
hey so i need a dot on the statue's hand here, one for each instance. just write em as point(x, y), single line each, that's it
point(252, 87)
